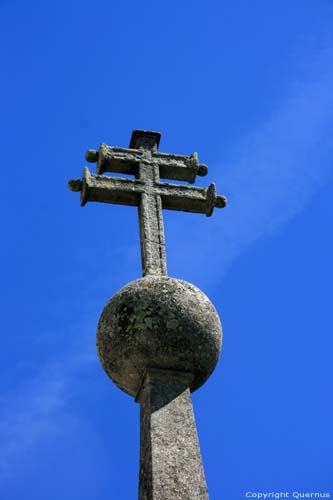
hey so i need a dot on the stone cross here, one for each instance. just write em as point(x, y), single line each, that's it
point(146, 192)
point(158, 338)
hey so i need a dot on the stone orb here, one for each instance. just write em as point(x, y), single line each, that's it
point(158, 322)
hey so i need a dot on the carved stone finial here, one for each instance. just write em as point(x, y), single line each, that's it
point(158, 337)
point(146, 191)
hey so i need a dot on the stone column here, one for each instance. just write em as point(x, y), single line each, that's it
point(170, 460)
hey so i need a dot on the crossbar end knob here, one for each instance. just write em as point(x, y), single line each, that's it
point(202, 170)
point(221, 201)
point(75, 185)
point(91, 156)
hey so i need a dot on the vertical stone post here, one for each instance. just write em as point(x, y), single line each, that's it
point(170, 461)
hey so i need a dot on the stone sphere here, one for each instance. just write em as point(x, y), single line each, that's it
point(158, 322)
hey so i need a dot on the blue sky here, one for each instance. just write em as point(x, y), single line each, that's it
point(248, 85)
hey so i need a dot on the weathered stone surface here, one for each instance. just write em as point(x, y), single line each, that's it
point(127, 161)
point(146, 191)
point(170, 460)
point(158, 322)
point(122, 191)
point(158, 338)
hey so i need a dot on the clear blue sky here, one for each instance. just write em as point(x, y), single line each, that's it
point(248, 85)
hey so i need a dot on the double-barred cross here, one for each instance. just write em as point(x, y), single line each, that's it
point(146, 191)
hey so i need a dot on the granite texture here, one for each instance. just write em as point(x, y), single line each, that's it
point(146, 191)
point(158, 338)
point(158, 322)
point(170, 460)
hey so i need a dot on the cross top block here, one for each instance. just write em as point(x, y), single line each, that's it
point(146, 191)
point(145, 139)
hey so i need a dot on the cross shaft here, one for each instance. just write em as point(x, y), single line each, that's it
point(146, 191)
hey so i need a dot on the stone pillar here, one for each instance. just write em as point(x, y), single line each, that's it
point(170, 460)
